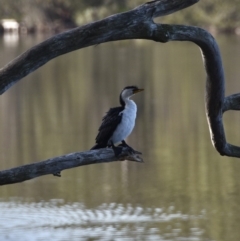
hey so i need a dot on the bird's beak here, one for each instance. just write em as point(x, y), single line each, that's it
point(138, 90)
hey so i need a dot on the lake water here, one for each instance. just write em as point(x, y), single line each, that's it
point(183, 191)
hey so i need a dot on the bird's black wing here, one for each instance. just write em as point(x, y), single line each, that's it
point(109, 124)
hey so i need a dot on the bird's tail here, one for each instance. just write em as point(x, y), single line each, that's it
point(97, 146)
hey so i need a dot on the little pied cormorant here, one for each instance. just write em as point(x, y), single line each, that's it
point(118, 122)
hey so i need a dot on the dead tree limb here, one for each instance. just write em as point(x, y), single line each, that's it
point(215, 102)
point(135, 24)
point(56, 165)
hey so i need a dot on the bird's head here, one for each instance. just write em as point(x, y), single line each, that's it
point(127, 92)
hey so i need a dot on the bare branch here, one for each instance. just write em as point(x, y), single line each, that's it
point(215, 100)
point(134, 24)
point(56, 165)
point(232, 102)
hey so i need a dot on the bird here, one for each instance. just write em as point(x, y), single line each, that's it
point(118, 122)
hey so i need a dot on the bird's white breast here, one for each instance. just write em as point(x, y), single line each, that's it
point(127, 123)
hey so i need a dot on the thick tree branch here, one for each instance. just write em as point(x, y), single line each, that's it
point(134, 24)
point(56, 165)
point(215, 100)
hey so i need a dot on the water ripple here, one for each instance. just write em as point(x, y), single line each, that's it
point(56, 220)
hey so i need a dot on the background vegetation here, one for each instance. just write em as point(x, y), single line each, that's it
point(217, 15)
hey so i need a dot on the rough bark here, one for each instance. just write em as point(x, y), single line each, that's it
point(57, 164)
point(135, 24)
point(215, 101)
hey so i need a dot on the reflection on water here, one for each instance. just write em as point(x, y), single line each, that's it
point(184, 191)
point(107, 222)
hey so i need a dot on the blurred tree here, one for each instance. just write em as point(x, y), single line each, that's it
point(217, 15)
point(59, 14)
point(11, 9)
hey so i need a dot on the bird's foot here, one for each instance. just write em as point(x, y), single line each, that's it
point(117, 150)
point(130, 149)
point(124, 147)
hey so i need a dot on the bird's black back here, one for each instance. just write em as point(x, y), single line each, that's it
point(109, 124)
